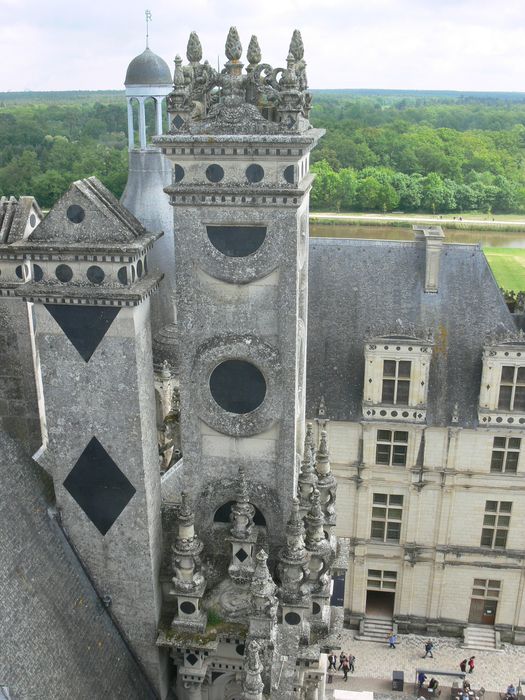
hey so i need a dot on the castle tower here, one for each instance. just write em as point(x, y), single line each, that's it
point(148, 79)
point(87, 279)
point(240, 194)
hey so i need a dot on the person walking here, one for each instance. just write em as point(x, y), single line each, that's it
point(332, 660)
point(392, 640)
point(428, 649)
point(351, 662)
point(346, 668)
point(463, 665)
point(471, 664)
point(421, 678)
point(342, 657)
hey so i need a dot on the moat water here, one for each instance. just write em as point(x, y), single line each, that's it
point(492, 239)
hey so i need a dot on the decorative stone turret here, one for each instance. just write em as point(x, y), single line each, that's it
point(294, 574)
point(242, 537)
point(326, 484)
point(188, 583)
point(264, 600)
point(253, 685)
point(321, 558)
point(307, 481)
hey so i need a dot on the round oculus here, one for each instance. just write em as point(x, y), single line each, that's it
point(316, 608)
point(95, 274)
point(254, 173)
point(289, 174)
point(292, 618)
point(122, 275)
point(75, 213)
point(187, 608)
point(63, 273)
point(237, 386)
point(214, 172)
point(38, 273)
point(19, 272)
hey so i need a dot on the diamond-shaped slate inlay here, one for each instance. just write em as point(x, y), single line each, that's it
point(241, 555)
point(99, 487)
point(192, 659)
point(178, 121)
point(84, 326)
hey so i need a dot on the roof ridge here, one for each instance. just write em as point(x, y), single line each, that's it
point(8, 208)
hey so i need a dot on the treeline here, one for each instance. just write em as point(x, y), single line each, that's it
point(420, 155)
point(380, 152)
point(44, 148)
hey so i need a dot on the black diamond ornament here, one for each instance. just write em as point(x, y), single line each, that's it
point(178, 121)
point(84, 326)
point(192, 659)
point(241, 555)
point(98, 486)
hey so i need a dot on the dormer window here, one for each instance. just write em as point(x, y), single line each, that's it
point(396, 382)
point(502, 390)
point(512, 389)
point(396, 378)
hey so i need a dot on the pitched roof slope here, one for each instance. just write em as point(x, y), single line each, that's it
point(356, 285)
point(57, 639)
point(88, 213)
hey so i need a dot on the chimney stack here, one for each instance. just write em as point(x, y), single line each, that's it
point(433, 238)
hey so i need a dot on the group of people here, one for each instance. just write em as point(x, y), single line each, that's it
point(433, 683)
point(470, 663)
point(346, 663)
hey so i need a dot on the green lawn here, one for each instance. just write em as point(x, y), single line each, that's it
point(508, 266)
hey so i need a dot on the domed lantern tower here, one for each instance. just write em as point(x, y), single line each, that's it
point(148, 76)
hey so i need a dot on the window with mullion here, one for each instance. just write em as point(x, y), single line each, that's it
point(512, 389)
point(391, 448)
point(496, 524)
point(396, 382)
point(386, 521)
point(505, 455)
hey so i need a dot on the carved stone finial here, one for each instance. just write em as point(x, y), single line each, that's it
point(297, 46)
point(253, 685)
point(242, 510)
point(185, 509)
point(254, 52)
point(262, 587)
point(233, 47)
point(322, 462)
point(194, 49)
point(178, 76)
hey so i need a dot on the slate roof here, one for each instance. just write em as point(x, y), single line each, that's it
point(358, 284)
point(14, 215)
point(148, 69)
point(57, 638)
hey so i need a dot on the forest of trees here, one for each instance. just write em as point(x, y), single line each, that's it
point(381, 152)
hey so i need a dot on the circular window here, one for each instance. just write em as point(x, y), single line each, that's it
point(254, 173)
point(139, 268)
point(237, 386)
point(63, 273)
point(289, 174)
point(187, 608)
point(316, 608)
point(75, 213)
point(32, 221)
point(19, 272)
point(95, 274)
point(292, 618)
point(236, 241)
point(38, 273)
point(178, 173)
point(240, 649)
point(214, 173)
point(122, 275)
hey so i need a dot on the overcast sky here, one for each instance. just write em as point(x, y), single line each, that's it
point(411, 44)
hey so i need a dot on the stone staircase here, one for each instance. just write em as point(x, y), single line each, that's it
point(480, 637)
point(373, 629)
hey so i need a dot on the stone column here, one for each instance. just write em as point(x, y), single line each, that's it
point(142, 124)
point(131, 130)
point(158, 115)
